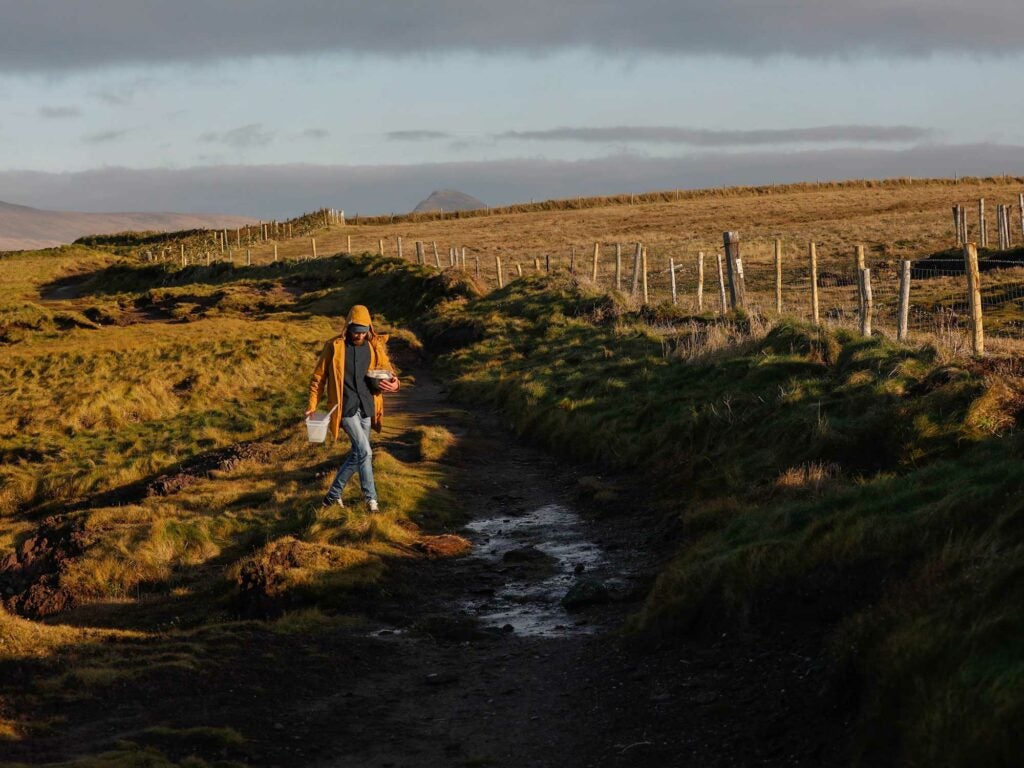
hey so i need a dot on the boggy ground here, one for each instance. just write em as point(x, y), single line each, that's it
point(411, 677)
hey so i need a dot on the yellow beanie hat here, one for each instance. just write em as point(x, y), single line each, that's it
point(359, 315)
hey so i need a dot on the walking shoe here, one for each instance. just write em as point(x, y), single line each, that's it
point(372, 505)
point(327, 503)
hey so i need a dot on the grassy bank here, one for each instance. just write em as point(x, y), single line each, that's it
point(857, 487)
point(157, 489)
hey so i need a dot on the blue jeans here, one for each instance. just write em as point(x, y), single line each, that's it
point(357, 427)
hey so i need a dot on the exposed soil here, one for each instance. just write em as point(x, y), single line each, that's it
point(474, 661)
point(30, 576)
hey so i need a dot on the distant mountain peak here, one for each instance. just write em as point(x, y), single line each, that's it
point(449, 200)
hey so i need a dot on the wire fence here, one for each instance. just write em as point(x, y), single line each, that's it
point(938, 306)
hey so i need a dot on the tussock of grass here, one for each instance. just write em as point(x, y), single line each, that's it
point(432, 442)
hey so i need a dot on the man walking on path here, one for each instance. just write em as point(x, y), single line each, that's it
point(341, 372)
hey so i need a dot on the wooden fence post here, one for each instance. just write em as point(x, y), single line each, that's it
point(700, 281)
point(982, 231)
point(858, 265)
point(778, 276)
point(437, 259)
point(644, 259)
point(519, 268)
point(721, 284)
point(974, 297)
point(348, 244)
point(867, 303)
point(248, 257)
point(956, 224)
point(419, 251)
point(903, 316)
point(463, 258)
point(737, 287)
point(618, 266)
point(497, 264)
point(380, 246)
point(312, 242)
point(275, 252)
point(536, 264)
point(597, 256)
point(963, 223)
point(637, 254)
point(547, 263)
point(572, 261)
point(207, 258)
point(398, 245)
point(672, 275)
point(1020, 208)
point(184, 261)
point(477, 257)
point(812, 251)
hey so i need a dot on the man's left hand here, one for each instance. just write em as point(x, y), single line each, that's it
point(390, 385)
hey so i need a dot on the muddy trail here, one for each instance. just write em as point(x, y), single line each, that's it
point(481, 664)
point(478, 661)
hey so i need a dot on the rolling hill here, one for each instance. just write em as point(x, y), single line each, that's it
point(23, 228)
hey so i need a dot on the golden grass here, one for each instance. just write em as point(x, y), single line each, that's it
point(895, 221)
point(21, 638)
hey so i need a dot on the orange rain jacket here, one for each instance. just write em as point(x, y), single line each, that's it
point(329, 374)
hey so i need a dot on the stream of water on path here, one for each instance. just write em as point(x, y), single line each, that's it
point(528, 597)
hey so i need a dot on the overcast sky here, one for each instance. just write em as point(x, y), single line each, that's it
point(271, 108)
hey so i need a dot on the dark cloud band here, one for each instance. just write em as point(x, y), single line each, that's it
point(421, 135)
point(709, 138)
point(281, 190)
point(49, 35)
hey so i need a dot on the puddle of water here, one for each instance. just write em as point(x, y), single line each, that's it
point(532, 605)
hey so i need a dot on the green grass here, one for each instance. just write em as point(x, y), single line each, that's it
point(868, 487)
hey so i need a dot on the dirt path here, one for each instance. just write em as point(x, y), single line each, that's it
point(472, 661)
point(480, 666)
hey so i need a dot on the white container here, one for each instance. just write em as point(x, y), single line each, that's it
point(317, 424)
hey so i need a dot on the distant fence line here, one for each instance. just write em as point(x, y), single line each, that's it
point(869, 294)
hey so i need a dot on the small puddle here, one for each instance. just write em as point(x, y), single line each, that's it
point(528, 596)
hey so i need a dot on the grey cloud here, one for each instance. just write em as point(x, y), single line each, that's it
point(724, 138)
point(421, 135)
point(123, 95)
point(271, 191)
point(252, 135)
point(59, 113)
point(34, 35)
point(316, 133)
point(104, 137)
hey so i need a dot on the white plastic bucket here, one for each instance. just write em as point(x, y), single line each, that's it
point(317, 424)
